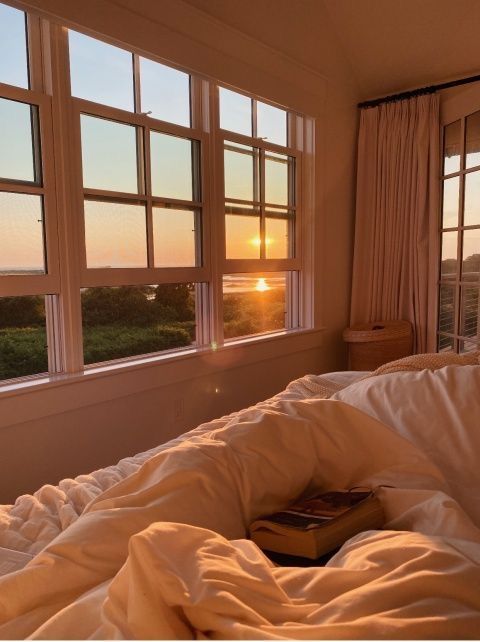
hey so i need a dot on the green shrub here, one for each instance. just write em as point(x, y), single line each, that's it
point(22, 352)
point(21, 311)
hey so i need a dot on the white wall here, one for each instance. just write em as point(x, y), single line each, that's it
point(67, 428)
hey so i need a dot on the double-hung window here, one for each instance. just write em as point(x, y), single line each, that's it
point(144, 209)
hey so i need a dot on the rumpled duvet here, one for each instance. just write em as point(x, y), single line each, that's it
point(164, 554)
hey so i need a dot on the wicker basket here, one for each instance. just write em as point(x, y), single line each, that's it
point(370, 345)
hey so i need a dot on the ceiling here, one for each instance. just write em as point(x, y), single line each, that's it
point(389, 45)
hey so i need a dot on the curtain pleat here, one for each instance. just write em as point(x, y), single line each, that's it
point(396, 214)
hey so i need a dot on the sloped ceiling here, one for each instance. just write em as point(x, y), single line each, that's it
point(390, 45)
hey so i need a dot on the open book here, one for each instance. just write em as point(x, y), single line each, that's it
point(313, 527)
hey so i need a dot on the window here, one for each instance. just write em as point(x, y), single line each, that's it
point(178, 203)
point(459, 302)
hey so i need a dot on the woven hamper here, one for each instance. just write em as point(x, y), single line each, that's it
point(370, 345)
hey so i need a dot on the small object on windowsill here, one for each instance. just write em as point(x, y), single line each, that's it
point(312, 528)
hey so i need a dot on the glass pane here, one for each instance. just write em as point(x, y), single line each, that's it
point(16, 147)
point(472, 199)
point(445, 344)
point(137, 320)
point(271, 124)
point(165, 92)
point(253, 303)
point(235, 112)
point(471, 255)
point(276, 179)
point(451, 188)
point(241, 165)
point(472, 140)
point(451, 147)
point(115, 235)
point(171, 166)
point(468, 346)
point(174, 237)
point(446, 312)
point(469, 312)
point(276, 237)
point(23, 336)
point(99, 72)
point(242, 233)
point(13, 47)
point(109, 155)
point(449, 255)
point(21, 234)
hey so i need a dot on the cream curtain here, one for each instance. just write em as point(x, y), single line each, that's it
point(397, 216)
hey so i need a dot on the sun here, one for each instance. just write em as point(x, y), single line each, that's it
point(261, 285)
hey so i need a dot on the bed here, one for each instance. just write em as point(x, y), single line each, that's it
point(155, 546)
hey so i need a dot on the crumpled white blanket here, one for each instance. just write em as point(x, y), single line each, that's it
point(162, 554)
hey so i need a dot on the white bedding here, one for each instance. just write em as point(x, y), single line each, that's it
point(162, 553)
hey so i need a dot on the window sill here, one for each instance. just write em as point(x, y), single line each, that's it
point(43, 396)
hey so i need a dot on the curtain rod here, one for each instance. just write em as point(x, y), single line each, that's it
point(418, 92)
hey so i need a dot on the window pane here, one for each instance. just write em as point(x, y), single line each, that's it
point(242, 233)
point(174, 237)
point(472, 140)
point(469, 312)
point(471, 255)
point(21, 234)
point(271, 124)
point(235, 112)
point(276, 179)
point(277, 245)
point(13, 47)
point(171, 166)
point(253, 303)
point(241, 165)
point(449, 255)
point(451, 188)
point(16, 148)
point(109, 155)
point(446, 314)
point(23, 337)
point(468, 346)
point(115, 235)
point(451, 147)
point(165, 92)
point(99, 72)
point(445, 344)
point(472, 199)
point(137, 320)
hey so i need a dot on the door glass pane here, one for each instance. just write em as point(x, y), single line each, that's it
point(471, 255)
point(174, 237)
point(445, 344)
point(100, 72)
point(242, 232)
point(472, 140)
point(276, 179)
point(16, 146)
point(451, 147)
point(253, 303)
point(469, 312)
point(165, 92)
point(235, 112)
point(449, 255)
point(472, 199)
point(276, 237)
point(21, 234)
point(23, 336)
point(171, 166)
point(272, 124)
point(115, 235)
point(129, 321)
point(446, 314)
point(451, 189)
point(241, 172)
point(468, 346)
point(109, 155)
point(13, 47)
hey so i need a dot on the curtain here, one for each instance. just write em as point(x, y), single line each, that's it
point(396, 225)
